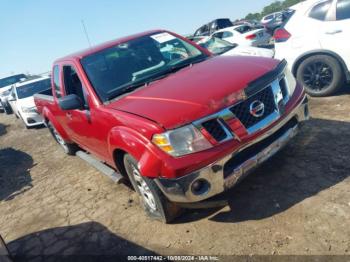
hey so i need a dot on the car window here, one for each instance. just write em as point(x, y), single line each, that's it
point(320, 10)
point(243, 29)
point(33, 88)
point(269, 17)
point(56, 81)
point(219, 35)
point(227, 34)
point(343, 9)
point(11, 80)
point(72, 83)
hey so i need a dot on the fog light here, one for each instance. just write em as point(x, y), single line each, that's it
point(31, 121)
point(200, 187)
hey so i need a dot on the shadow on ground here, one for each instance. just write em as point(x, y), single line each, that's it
point(317, 159)
point(3, 130)
point(15, 176)
point(83, 242)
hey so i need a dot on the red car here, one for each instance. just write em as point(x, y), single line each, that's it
point(182, 125)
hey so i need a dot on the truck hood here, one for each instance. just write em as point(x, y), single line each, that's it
point(196, 91)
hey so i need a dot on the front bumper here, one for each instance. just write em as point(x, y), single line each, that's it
point(228, 171)
point(32, 119)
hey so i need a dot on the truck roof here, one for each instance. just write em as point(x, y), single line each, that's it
point(79, 55)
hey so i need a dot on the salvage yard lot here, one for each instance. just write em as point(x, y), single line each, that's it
point(296, 203)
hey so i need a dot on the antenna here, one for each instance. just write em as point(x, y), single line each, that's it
point(86, 33)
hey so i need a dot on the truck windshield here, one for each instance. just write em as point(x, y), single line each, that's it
point(11, 80)
point(33, 88)
point(124, 67)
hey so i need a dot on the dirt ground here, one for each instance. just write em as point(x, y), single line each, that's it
point(298, 203)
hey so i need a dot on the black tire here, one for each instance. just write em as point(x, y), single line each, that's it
point(321, 75)
point(69, 149)
point(159, 208)
point(7, 108)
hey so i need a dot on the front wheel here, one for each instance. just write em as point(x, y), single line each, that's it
point(69, 149)
point(321, 75)
point(156, 205)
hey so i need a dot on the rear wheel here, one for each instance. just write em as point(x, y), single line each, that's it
point(321, 75)
point(156, 205)
point(69, 149)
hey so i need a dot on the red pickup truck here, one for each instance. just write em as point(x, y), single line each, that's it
point(182, 125)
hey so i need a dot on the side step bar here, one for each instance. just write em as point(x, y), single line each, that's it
point(104, 169)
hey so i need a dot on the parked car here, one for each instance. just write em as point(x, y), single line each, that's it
point(217, 24)
point(278, 21)
point(22, 103)
point(221, 47)
point(5, 85)
point(315, 43)
point(181, 124)
point(253, 23)
point(243, 35)
point(268, 18)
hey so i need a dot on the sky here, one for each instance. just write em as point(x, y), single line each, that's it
point(33, 33)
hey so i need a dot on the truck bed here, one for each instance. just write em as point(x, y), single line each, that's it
point(44, 95)
point(44, 99)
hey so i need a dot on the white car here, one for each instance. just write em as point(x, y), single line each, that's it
point(315, 43)
point(5, 86)
point(221, 47)
point(22, 100)
point(244, 35)
point(270, 17)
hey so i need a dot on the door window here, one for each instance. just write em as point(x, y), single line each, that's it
point(227, 34)
point(343, 9)
point(320, 11)
point(72, 83)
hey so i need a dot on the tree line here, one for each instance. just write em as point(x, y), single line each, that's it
point(272, 8)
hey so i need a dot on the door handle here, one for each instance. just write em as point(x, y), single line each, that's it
point(69, 115)
point(334, 32)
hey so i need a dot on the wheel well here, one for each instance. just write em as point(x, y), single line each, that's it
point(331, 54)
point(118, 156)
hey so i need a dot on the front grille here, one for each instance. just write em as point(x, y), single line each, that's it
point(214, 128)
point(242, 110)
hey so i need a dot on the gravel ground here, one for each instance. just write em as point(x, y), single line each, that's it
point(298, 203)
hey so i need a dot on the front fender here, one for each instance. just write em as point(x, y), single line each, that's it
point(139, 147)
point(48, 116)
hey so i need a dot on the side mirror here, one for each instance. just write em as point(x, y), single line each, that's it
point(70, 102)
point(11, 98)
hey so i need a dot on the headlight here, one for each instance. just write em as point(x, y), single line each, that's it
point(290, 79)
point(181, 141)
point(29, 109)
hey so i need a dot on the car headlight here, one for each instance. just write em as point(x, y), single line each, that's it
point(290, 79)
point(181, 141)
point(29, 109)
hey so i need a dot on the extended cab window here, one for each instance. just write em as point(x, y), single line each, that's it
point(124, 67)
point(72, 83)
point(56, 81)
point(343, 9)
point(320, 11)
